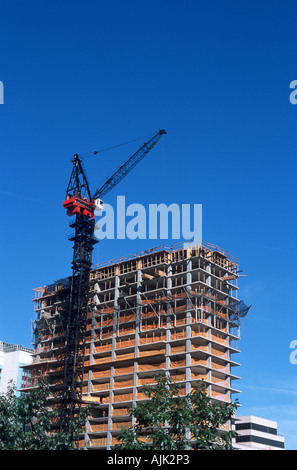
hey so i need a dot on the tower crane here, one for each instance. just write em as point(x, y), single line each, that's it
point(82, 204)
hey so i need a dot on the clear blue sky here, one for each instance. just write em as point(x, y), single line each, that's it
point(81, 75)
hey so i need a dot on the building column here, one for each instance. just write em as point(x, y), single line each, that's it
point(168, 319)
point(188, 325)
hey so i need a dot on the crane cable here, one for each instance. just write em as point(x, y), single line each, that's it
point(95, 152)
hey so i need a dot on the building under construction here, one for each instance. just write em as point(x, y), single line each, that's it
point(173, 311)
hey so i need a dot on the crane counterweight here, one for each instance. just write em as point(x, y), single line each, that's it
point(78, 206)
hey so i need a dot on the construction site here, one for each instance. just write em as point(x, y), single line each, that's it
point(170, 311)
point(102, 334)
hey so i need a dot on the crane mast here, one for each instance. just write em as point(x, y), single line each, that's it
point(81, 204)
point(77, 203)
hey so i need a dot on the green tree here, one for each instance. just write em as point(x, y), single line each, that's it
point(26, 421)
point(166, 419)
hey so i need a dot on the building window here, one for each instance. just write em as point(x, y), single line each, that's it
point(260, 440)
point(256, 427)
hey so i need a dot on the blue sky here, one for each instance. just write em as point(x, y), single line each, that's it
point(85, 75)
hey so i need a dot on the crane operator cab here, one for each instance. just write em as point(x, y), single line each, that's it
point(99, 205)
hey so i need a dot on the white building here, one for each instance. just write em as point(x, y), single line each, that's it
point(12, 358)
point(254, 433)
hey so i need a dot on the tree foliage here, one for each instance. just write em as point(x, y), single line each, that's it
point(26, 421)
point(168, 421)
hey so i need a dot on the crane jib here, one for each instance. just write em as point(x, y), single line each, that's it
point(124, 169)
